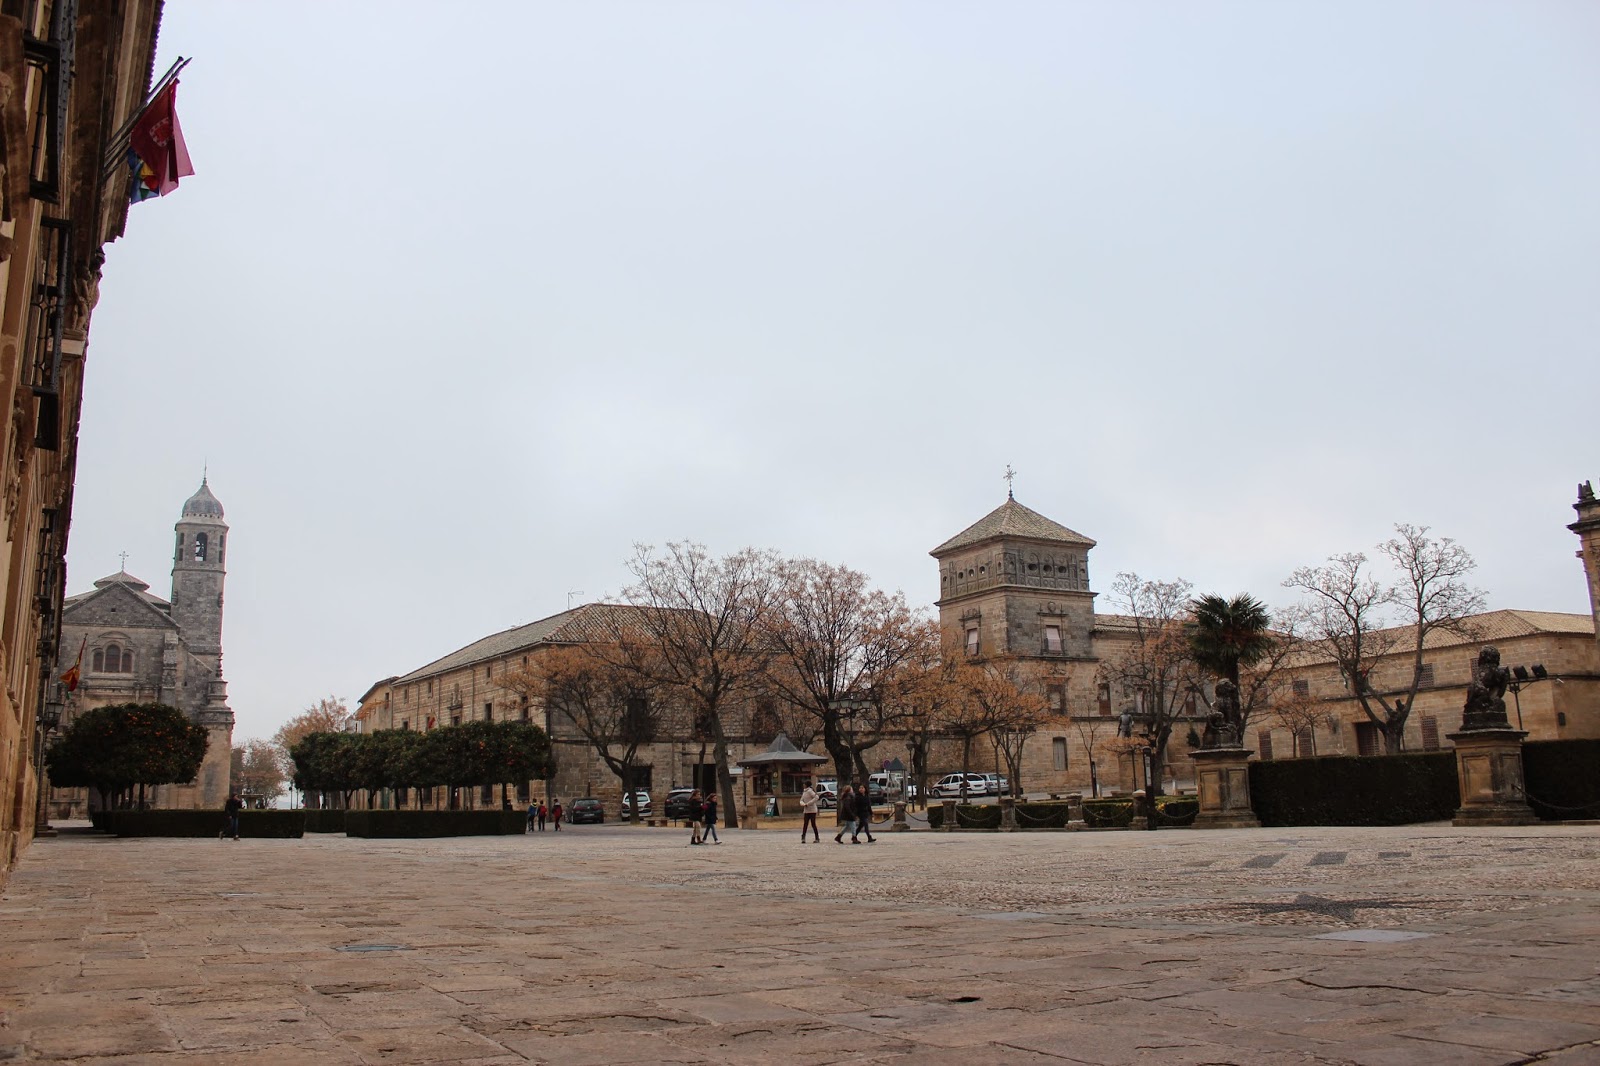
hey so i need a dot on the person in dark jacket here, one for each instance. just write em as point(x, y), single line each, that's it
point(847, 815)
point(231, 809)
point(864, 815)
point(710, 833)
point(697, 811)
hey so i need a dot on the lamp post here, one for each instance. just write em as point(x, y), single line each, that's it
point(1521, 678)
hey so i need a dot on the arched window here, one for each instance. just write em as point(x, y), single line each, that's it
point(113, 662)
point(199, 547)
point(99, 663)
point(127, 660)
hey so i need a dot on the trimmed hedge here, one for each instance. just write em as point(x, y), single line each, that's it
point(968, 816)
point(204, 823)
point(1043, 815)
point(1361, 790)
point(1175, 812)
point(390, 824)
point(325, 821)
point(1562, 778)
point(1108, 813)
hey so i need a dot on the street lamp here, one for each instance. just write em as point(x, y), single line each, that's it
point(1521, 678)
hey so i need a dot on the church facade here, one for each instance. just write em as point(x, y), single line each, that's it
point(139, 648)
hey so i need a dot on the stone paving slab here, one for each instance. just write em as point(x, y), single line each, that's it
point(623, 945)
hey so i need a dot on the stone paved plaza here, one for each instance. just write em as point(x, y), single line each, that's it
point(619, 945)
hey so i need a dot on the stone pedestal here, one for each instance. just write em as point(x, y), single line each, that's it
point(949, 816)
point(1489, 765)
point(1141, 810)
point(1008, 814)
point(900, 825)
point(1223, 777)
point(1074, 807)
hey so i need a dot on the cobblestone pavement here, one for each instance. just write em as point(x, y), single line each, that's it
point(623, 945)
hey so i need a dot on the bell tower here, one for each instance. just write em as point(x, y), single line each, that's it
point(198, 569)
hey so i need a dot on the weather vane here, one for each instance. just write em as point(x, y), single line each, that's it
point(1010, 476)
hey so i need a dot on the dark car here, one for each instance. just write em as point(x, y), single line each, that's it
point(678, 806)
point(586, 811)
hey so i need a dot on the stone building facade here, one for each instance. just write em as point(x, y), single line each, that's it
point(71, 75)
point(139, 648)
point(470, 684)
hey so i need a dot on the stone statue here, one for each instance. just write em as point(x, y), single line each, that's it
point(1486, 696)
point(1223, 728)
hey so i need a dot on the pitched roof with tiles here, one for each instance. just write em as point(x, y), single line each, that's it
point(1011, 519)
point(1486, 628)
point(591, 622)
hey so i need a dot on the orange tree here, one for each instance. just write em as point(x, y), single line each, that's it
point(113, 748)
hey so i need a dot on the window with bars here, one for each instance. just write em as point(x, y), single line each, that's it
point(972, 640)
point(1264, 744)
point(1103, 697)
point(1430, 732)
point(1302, 687)
point(1056, 698)
point(488, 712)
point(1058, 748)
point(1368, 740)
point(1052, 640)
point(1425, 675)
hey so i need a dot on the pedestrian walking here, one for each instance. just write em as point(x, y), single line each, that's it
point(697, 810)
point(711, 820)
point(533, 815)
point(847, 816)
point(556, 812)
point(544, 812)
point(808, 806)
point(231, 809)
point(864, 813)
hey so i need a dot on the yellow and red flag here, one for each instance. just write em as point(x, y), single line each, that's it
point(72, 674)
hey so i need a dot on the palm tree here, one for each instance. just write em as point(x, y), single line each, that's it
point(1225, 635)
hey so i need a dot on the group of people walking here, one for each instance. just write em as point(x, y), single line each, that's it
point(703, 818)
point(855, 815)
point(539, 814)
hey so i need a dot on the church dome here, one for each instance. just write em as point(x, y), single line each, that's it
point(202, 504)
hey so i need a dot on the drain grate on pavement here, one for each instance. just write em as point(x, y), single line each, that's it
point(1328, 858)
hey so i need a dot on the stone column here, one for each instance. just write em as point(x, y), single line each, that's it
point(900, 824)
point(1074, 807)
point(949, 816)
point(1489, 766)
point(1223, 777)
point(1008, 814)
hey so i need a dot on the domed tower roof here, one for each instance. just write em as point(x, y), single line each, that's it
point(202, 504)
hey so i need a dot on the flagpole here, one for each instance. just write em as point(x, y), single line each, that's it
point(118, 145)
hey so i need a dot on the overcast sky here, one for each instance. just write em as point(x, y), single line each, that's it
point(457, 309)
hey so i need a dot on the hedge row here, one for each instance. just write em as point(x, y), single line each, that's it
point(1562, 778)
point(1346, 790)
point(324, 821)
point(434, 823)
point(204, 823)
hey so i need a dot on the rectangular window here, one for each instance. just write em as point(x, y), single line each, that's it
point(1305, 742)
point(1430, 733)
point(455, 719)
point(487, 795)
point(972, 641)
point(399, 797)
point(1052, 639)
point(1264, 744)
point(1058, 747)
point(1368, 740)
point(405, 723)
point(1056, 698)
point(522, 792)
point(488, 669)
point(1425, 675)
point(1302, 687)
point(524, 712)
point(488, 712)
point(1104, 697)
point(1189, 704)
point(644, 777)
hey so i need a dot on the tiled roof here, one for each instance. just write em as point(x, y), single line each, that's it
point(592, 621)
point(1485, 628)
point(1011, 519)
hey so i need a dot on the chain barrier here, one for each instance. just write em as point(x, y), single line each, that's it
point(1593, 805)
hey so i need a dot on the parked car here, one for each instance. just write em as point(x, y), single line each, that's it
point(950, 786)
point(638, 805)
point(827, 798)
point(999, 785)
point(586, 811)
point(678, 807)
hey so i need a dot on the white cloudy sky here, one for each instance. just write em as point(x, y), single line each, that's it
point(459, 308)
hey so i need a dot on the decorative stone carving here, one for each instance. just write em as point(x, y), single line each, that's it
point(1486, 695)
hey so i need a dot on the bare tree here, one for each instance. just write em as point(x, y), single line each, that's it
point(1349, 613)
point(608, 704)
point(840, 649)
point(258, 770)
point(1299, 712)
point(1089, 730)
point(697, 635)
point(1013, 702)
point(1156, 669)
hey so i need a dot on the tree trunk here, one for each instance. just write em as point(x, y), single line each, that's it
point(630, 813)
point(730, 813)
